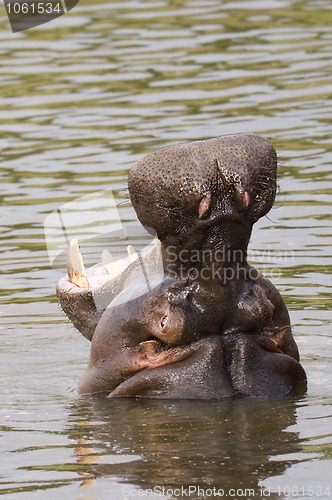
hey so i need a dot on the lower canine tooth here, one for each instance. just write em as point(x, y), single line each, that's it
point(75, 265)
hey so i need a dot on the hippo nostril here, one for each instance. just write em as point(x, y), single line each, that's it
point(204, 206)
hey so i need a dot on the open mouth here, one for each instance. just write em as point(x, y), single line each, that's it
point(84, 294)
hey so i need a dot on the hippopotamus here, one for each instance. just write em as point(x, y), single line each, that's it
point(214, 327)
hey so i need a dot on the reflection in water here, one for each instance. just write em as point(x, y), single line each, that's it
point(223, 444)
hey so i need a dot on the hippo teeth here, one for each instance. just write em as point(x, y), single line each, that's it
point(111, 265)
point(132, 255)
point(75, 265)
point(116, 267)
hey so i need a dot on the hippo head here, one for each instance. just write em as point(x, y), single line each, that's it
point(205, 193)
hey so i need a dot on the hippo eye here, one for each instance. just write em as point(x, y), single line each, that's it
point(163, 321)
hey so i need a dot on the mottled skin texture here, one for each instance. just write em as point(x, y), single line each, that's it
point(167, 187)
point(132, 338)
point(230, 331)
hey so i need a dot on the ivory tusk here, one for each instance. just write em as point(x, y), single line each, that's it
point(75, 265)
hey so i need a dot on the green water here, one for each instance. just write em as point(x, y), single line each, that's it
point(82, 98)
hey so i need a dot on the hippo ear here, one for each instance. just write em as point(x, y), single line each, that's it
point(259, 368)
point(204, 206)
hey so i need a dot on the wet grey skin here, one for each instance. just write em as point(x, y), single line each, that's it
point(145, 333)
point(136, 353)
point(233, 334)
